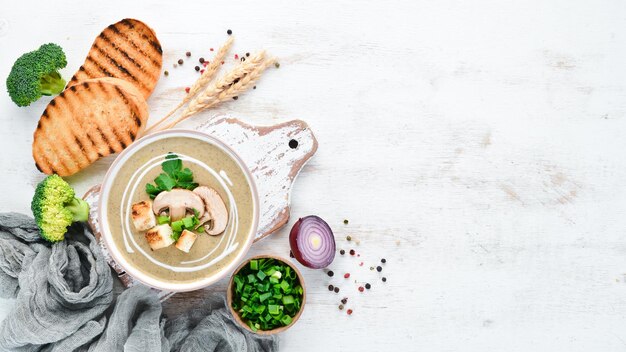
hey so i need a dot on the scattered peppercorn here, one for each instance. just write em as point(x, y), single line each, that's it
point(197, 68)
point(345, 221)
point(344, 300)
point(330, 287)
point(346, 275)
point(211, 49)
point(236, 56)
point(371, 268)
point(342, 252)
point(379, 268)
point(248, 54)
point(368, 286)
point(235, 97)
point(341, 307)
point(291, 254)
point(205, 63)
point(201, 60)
point(361, 264)
point(187, 89)
point(352, 252)
point(349, 238)
point(222, 62)
point(254, 87)
point(383, 260)
point(361, 289)
point(349, 311)
point(336, 289)
point(166, 73)
point(175, 65)
point(330, 273)
point(188, 54)
point(201, 71)
point(384, 279)
point(276, 64)
point(229, 32)
point(243, 59)
point(180, 61)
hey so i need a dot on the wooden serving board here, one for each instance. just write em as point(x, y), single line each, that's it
point(272, 156)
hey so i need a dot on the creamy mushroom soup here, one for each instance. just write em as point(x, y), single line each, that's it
point(211, 167)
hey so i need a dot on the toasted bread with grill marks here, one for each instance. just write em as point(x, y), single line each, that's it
point(86, 122)
point(129, 50)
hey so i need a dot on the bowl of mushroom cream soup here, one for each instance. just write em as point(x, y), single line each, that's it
point(178, 210)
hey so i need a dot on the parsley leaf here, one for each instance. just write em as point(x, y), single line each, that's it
point(174, 176)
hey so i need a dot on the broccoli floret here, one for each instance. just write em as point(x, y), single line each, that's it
point(55, 207)
point(36, 73)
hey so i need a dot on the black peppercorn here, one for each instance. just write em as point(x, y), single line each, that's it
point(201, 60)
point(345, 300)
point(341, 307)
point(342, 252)
point(188, 54)
point(276, 64)
point(247, 54)
point(197, 68)
point(254, 87)
point(330, 273)
point(331, 287)
point(180, 61)
point(384, 279)
point(383, 260)
point(352, 252)
point(166, 73)
point(379, 268)
point(345, 221)
point(368, 286)
point(336, 289)
point(235, 97)
point(229, 32)
point(349, 238)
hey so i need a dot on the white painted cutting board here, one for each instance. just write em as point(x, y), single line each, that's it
point(274, 154)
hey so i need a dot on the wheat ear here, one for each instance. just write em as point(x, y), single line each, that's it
point(230, 85)
point(201, 82)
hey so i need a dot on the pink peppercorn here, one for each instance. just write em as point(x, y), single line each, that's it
point(349, 311)
point(361, 289)
point(346, 275)
point(187, 89)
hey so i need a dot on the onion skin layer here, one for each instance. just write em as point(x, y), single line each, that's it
point(329, 239)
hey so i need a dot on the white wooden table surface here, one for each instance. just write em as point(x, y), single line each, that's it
point(480, 146)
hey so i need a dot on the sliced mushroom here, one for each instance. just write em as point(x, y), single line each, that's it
point(214, 205)
point(178, 201)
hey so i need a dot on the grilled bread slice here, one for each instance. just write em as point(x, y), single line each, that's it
point(129, 50)
point(86, 122)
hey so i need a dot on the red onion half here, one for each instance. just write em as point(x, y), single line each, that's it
point(312, 242)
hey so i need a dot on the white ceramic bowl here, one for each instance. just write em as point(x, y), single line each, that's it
point(115, 252)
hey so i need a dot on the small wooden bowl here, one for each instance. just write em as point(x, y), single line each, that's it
point(229, 296)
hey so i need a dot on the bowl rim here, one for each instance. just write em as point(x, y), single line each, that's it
point(229, 295)
point(106, 233)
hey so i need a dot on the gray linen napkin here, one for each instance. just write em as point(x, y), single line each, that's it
point(63, 291)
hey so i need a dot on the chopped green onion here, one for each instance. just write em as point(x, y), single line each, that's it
point(163, 220)
point(267, 294)
point(188, 222)
point(177, 226)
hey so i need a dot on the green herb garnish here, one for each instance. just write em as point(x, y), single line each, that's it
point(174, 176)
point(267, 294)
point(163, 220)
point(188, 223)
